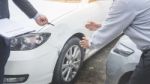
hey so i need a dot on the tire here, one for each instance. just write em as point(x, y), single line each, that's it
point(125, 78)
point(69, 62)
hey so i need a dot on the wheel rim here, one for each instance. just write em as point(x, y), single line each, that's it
point(71, 63)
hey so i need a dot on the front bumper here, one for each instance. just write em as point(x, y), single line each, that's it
point(38, 64)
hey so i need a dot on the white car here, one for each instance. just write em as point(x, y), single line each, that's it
point(122, 61)
point(42, 55)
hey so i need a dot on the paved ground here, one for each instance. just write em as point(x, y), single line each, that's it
point(93, 70)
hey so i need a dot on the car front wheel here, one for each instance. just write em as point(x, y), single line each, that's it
point(69, 62)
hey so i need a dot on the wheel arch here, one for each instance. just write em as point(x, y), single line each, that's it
point(125, 77)
point(78, 35)
point(126, 71)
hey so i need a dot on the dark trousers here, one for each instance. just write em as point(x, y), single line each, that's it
point(141, 75)
point(4, 54)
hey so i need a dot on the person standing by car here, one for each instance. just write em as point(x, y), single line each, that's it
point(31, 12)
point(132, 17)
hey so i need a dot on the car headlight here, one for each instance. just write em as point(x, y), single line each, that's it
point(28, 41)
point(123, 50)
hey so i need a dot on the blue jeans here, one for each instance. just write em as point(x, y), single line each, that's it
point(141, 75)
point(4, 54)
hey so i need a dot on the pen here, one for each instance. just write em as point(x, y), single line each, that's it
point(49, 23)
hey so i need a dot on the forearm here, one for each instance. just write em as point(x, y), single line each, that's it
point(118, 20)
point(26, 7)
point(103, 36)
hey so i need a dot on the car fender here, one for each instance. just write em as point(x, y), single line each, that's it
point(60, 36)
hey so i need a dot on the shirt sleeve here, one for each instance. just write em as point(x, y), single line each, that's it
point(119, 18)
point(26, 7)
point(37, 15)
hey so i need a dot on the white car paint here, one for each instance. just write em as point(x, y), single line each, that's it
point(120, 67)
point(69, 19)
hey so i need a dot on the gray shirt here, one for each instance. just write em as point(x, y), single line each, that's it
point(132, 17)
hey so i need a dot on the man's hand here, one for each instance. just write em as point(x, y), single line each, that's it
point(41, 20)
point(84, 42)
point(92, 26)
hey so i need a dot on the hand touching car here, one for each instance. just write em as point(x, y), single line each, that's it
point(85, 43)
point(92, 26)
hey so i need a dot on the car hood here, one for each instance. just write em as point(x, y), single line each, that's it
point(10, 29)
point(52, 9)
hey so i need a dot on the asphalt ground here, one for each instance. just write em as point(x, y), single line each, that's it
point(93, 69)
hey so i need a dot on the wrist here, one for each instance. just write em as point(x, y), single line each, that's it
point(36, 16)
point(91, 45)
